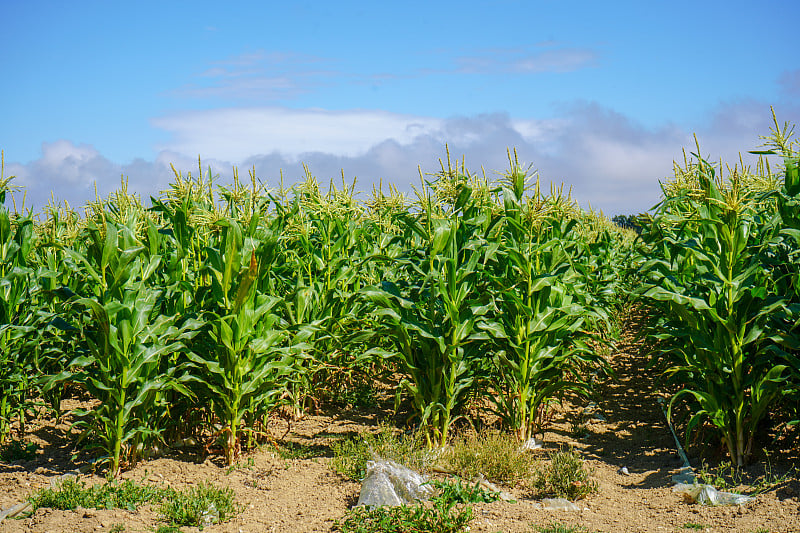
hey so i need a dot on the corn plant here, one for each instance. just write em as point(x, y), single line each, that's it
point(245, 371)
point(239, 361)
point(714, 288)
point(179, 244)
point(43, 337)
point(432, 314)
point(784, 256)
point(16, 287)
point(125, 341)
point(323, 266)
point(542, 309)
point(181, 232)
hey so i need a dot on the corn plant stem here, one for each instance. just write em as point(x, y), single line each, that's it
point(119, 426)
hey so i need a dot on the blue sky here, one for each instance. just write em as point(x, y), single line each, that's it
point(599, 95)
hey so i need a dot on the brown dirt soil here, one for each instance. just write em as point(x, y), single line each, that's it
point(302, 495)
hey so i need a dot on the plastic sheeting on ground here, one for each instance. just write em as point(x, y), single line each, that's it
point(388, 483)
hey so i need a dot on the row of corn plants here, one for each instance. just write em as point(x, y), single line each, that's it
point(719, 260)
point(204, 312)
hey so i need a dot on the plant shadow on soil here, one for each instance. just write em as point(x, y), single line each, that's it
point(628, 428)
point(637, 435)
point(54, 453)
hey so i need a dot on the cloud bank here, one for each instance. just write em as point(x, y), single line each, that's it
point(610, 161)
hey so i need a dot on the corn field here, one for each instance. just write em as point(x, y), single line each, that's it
point(208, 309)
point(719, 261)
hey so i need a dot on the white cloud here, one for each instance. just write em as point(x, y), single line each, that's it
point(238, 133)
point(70, 172)
point(608, 159)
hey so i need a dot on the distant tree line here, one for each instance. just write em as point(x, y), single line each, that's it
point(628, 222)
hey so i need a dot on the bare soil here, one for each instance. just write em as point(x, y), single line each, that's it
point(281, 494)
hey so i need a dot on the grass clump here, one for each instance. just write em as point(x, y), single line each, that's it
point(199, 506)
point(350, 456)
point(294, 450)
point(72, 493)
point(566, 476)
point(442, 517)
point(495, 455)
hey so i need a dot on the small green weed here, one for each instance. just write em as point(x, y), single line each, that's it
point(495, 455)
point(579, 430)
point(117, 528)
point(557, 527)
point(17, 449)
point(72, 493)
point(350, 456)
point(453, 490)
point(442, 517)
point(692, 525)
point(293, 450)
point(248, 464)
point(168, 529)
point(725, 476)
point(722, 477)
point(566, 476)
point(770, 479)
point(200, 506)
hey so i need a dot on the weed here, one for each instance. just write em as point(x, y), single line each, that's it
point(354, 393)
point(200, 506)
point(168, 529)
point(557, 527)
point(565, 476)
point(725, 476)
point(692, 525)
point(495, 455)
point(770, 479)
point(722, 477)
point(248, 464)
point(16, 450)
point(72, 493)
point(442, 517)
point(454, 491)
point(578, 430)
point(350, 456)
point(117, 528)
point(293, 450)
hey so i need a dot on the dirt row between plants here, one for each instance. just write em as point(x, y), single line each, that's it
point(283, 494)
